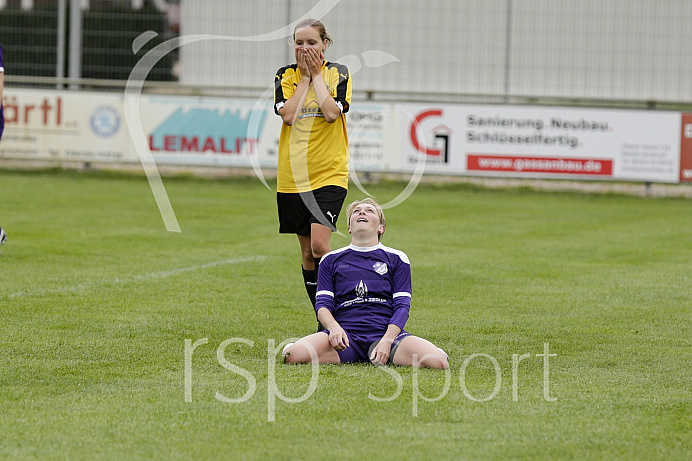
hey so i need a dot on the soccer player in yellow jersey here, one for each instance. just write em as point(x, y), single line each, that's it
point(312, 96)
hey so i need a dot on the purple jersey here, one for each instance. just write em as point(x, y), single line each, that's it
point(2, 116)
point(365, 289)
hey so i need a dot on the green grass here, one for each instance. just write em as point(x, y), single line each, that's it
point(97, 300)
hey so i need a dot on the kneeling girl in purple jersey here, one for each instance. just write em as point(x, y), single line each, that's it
point(363, 300)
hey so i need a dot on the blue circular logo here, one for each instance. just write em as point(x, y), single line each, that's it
point(105, 121)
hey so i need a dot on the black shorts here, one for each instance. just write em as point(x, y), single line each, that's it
point(297, 211)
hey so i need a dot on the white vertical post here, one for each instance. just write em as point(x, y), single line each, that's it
point(60, 65)
point(289, 51)
point(75, 70)
point(508, 49)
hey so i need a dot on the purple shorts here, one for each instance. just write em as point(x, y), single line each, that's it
point(360, 346)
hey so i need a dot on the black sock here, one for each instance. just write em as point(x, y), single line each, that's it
point(310, 278)
point(320, 327)
point(317, 266)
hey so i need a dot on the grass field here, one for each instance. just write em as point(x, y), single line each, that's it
point(98, 299)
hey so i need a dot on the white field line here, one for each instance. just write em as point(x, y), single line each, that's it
point(133, 279)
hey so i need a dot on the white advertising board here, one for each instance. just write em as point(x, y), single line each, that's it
point(454, 139)
point(65, 126)
point(541, 142)
point(366, 125)
point(208, 131)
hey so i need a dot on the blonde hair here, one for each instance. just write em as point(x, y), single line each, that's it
point(378, 208)
point(317, 24)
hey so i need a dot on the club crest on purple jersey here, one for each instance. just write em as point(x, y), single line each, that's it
point(380, 268)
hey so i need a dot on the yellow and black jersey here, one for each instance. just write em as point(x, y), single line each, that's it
point(312, 152)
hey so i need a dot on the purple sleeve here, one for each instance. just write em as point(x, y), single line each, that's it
point(2, 115)
point(401, 293)
point(325, 285)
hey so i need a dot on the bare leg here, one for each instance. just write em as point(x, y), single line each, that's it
point(299, 352)
point(428, 355)
point(306, 252)
point(319, 240)
point(314, 245)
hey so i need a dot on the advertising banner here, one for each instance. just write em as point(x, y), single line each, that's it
point(366, 137)
point(65, 126)
point(522, 141)
point(454, 139)
point(210, 131)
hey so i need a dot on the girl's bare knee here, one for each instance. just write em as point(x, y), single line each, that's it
point(292, 355)
point(438, 360)
point(320, 249)
point(441, 362)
